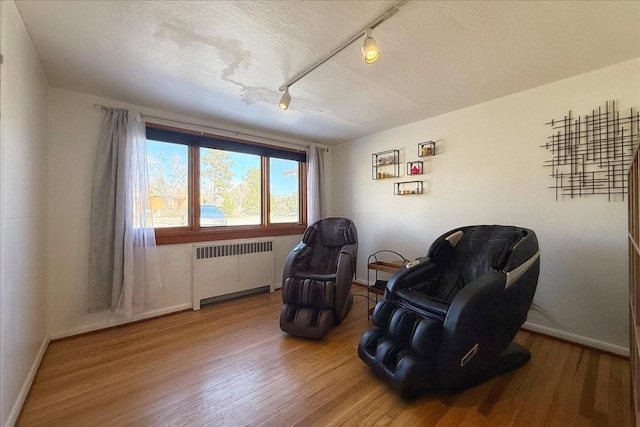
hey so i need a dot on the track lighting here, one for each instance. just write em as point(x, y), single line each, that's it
point(285, 99)
point(369, 48)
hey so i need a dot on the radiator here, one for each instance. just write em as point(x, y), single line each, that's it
point(222, 271)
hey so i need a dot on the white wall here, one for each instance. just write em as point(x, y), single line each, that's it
point(488, 170)
point(23, 152)
point(74, 128)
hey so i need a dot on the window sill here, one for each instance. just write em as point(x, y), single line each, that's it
point(168, 236)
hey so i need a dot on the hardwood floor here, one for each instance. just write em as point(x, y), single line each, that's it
point(230, 365)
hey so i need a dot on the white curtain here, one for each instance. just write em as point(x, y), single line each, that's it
point(123, 266)
point(315, 182)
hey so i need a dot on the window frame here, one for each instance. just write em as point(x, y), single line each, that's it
point(194, 232)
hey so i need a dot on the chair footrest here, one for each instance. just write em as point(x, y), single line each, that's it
point(306, 322)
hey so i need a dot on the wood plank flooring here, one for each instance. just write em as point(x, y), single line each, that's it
point(230, 365)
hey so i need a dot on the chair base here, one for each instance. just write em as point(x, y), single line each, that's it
point(417, 377)
point(511, 359)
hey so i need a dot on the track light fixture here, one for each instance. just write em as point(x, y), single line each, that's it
point(285, 99)
point(369, 50)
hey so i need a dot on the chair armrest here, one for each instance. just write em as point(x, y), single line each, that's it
point(352, 252)
point(294, 260)
point(351, 249)
point(522, 251)
point(478, 327)
point(345, 270)
point(479, 299)
point(410, 275)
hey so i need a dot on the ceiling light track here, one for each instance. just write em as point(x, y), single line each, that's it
point(369, 44)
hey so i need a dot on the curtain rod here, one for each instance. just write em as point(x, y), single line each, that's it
point(103, 107)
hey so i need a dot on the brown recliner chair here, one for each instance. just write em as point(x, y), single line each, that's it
point(316, 282)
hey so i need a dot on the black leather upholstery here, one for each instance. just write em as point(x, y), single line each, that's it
point(316, 281)
point(448, 320)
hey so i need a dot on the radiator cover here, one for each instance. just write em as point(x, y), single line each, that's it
point(221, 271)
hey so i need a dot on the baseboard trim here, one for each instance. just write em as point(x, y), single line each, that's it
point(577, 339)
point(26, 386)
point(114, 323)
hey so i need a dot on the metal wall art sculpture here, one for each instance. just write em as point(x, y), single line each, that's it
point(591, 153)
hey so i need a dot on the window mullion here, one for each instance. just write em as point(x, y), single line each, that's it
point(266, 198)
point(194, 182)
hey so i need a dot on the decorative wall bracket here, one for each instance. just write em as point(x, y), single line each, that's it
point(590, 154)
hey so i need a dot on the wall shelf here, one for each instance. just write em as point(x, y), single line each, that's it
point(405, 188)
point(385, 164)
point(415, 168)
point(427, 149)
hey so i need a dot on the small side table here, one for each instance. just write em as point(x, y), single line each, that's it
point(374, 265)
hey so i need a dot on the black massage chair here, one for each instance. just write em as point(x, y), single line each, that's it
point(447, 320)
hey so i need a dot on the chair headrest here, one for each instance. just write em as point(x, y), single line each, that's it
point(494, 243)
point(332, 232)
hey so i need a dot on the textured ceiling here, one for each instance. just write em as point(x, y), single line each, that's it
point(225, 60)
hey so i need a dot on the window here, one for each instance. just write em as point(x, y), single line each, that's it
point(231, 182)
point(169, 184)
point(284, 191)
point(204, 187)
